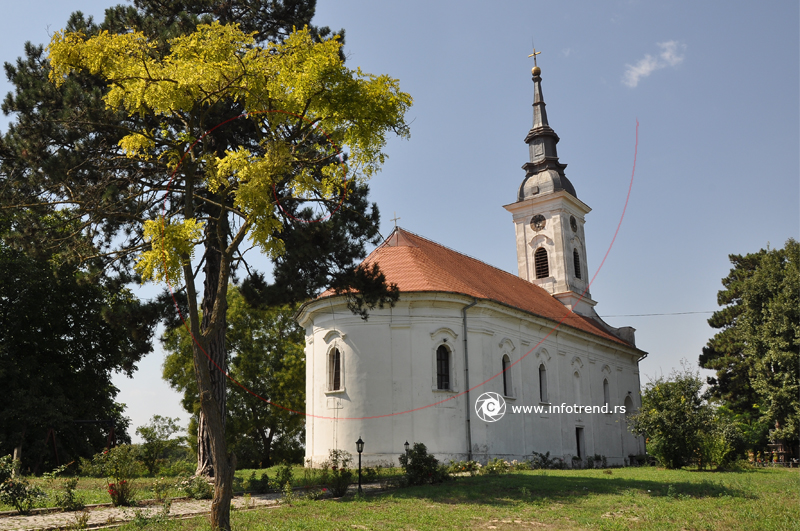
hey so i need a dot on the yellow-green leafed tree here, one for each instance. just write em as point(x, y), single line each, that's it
point(240, 130)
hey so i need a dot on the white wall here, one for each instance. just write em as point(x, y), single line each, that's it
point(389, 394)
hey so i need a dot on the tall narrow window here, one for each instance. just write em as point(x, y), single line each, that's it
point(576, 259)
point(540, 263)
point(606, 394)
point(442, 368)
point(576, 383)
point(542, 383)
point(335, 371)
point(507, 390)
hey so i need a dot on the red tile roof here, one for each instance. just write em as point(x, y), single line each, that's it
point(417, 264)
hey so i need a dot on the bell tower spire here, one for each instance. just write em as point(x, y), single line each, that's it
point(549, 217)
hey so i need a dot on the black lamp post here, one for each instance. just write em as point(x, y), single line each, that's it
point(360, 448)
point(406, 446)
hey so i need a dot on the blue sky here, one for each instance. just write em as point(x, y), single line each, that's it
point(714, 86)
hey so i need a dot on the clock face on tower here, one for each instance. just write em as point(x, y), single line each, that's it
point(538, 222)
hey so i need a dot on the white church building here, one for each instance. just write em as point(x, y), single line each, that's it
point(461, 328)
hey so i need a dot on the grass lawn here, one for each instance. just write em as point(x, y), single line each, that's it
point(629, 498)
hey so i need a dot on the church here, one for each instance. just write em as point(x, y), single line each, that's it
point(472, 361)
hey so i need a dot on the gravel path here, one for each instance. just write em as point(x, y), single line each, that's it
point(105, 516)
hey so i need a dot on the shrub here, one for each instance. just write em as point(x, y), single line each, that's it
point(259, 486)
point(197, 487)
point(496, 466)
point(337, 471)
point(370, 474)
point(68, 500)
point(538, 461)
point(469, 467)
point(17, 491)
point(421, 468)
point(119, 466)
point(284, 475)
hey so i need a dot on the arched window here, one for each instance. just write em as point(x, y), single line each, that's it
point(540, 263)
point(576, 259)
point(628, 407)
point(542, 383)
point(335, 370)
point(507, 389)
point(576, 384)
point(442, 368)
point(606, 395)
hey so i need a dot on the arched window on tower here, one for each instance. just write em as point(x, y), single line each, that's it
point(335, 370)
point(540, 263)
point(507, 389)
point(542, 383)
point(442, 368)
point(606, 394)
point(576, 259)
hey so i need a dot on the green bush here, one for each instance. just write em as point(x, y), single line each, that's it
point(197, 487)
point(259, 486)
point(68, 500)
point(421, 468)
point(120, 466)
point(17, 491)
point(496, 466)
point(337, 472)
point(470, 467)
point(284, 475)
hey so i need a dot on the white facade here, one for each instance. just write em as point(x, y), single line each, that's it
point(388, 391)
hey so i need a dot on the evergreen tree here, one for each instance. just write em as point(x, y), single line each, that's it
point(757, 350)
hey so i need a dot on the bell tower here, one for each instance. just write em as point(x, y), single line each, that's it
point(549, 218)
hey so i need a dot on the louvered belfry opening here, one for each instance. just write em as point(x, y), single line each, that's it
point(576, 259)
point(540, 263)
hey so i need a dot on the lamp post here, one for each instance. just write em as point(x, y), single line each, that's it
point(406, 445)
point(360, 448)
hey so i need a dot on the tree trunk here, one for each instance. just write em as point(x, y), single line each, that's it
point(216, 348)
point(210, 367)
point(266, 440)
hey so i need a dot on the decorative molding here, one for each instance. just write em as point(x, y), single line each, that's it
point(540, 239)
point(506, 341)
point(444, 330)
point(592, 360)
point(332, 334)
point(543, 354)
point(562, 353)
point(576, 361)
point(606, 369)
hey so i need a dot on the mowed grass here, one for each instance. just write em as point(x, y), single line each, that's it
point(630, 498)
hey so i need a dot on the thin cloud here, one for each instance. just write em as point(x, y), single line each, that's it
point(671, 55)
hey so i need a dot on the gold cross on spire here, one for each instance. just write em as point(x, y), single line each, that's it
point(534, 54)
